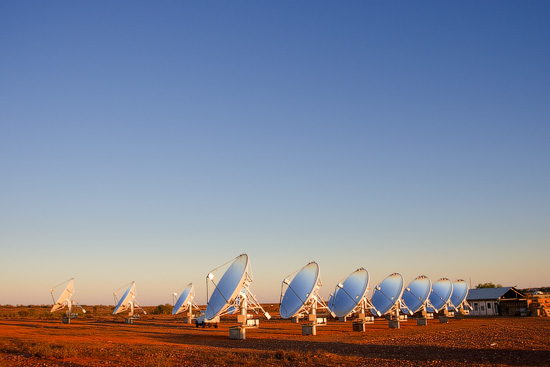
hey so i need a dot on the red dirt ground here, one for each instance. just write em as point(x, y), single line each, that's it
point(163, 341)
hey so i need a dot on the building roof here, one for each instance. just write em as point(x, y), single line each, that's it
point(493, 293)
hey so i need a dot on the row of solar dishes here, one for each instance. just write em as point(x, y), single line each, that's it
point(348, 294)
point(304, 286)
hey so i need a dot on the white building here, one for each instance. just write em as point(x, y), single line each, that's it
point(506, 301)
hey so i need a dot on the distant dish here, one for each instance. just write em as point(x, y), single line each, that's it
point(128, 301)
point(227, 289)
point(416, 294)
point(65, 300)
point(460, 292)
point(387, 294)
point(301, 296)
point(441, 294)
point(232, 293)
point(300, 291)
point(185, 301)
point(350, 294)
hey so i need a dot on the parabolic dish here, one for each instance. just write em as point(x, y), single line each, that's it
point(349, 293)
point(387, 293)
point(460, 292)
point(67, 293)
point(300, 290)
point(229, 286)
point(183, 299)
point(121, 305)
point(416, 293)
point(441, 293)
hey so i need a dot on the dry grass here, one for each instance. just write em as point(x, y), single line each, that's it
point(43, 350)
point(155, 356)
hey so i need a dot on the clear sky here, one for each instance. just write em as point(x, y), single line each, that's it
point(154, 141)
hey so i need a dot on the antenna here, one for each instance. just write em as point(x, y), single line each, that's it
point(440, 298)
point(350, 298)
point(301, 296)
point(128, 303)
point(458, 298)
point(232, 295)
point(186, 302)
point(415, 298)
point(65, 300)
point(386, 298)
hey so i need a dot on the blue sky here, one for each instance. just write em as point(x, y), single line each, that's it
point(154, 141)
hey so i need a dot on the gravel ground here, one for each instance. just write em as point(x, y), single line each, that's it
point(162, 341)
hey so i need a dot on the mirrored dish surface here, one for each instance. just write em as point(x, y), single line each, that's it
point(183, 299)
point(346, 298)
point(67, 293)
point(441, 293)
point(460, 292)
point(228, 287)
point(387, 293)
point(416, 293)
point(122, 304)
point(300, 290)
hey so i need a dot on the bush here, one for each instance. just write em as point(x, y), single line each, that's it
point(165, 309)
point(488, 285)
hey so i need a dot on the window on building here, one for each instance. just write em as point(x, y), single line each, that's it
point(475, 306)
point(488, 306)
point(482, 308)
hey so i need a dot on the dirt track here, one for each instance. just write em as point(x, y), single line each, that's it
point(162, 341)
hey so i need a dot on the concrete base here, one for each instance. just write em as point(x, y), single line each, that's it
point(66, 320)
point(459, 316)
point(422, 322)
point(237, 333)
point(394, 324)
point(359, 326)
point(443, 319)
point(129, 321)
point(308, 329)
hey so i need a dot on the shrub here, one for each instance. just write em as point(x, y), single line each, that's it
point(165, 309)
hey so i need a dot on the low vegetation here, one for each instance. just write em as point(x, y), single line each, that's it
point(151, 356)
point(165, 309)
point(488, 285)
